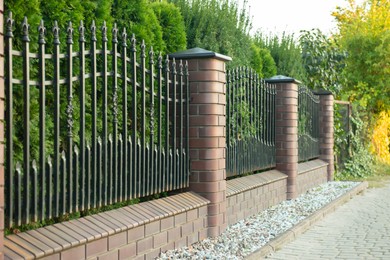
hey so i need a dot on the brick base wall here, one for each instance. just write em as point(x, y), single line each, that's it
point(139, 231)
point(252, 194)
point(311, 174)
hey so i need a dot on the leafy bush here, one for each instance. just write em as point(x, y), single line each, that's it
point(323, 61)
point(218, 26)
point(172, 25)
point(361, 161)
point(138, 18)
point(286, 53)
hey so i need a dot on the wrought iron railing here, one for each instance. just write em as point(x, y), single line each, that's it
point(91, 127)
point(308, 124)
point(250, 126)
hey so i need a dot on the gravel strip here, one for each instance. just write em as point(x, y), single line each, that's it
point(246, 236)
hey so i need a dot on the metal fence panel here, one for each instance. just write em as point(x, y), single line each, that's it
point(109, 127)
point(308, 124)
point(250, 125)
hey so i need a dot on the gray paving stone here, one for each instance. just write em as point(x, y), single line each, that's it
point(359, 229)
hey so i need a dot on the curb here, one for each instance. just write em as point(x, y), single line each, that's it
point(292, 233)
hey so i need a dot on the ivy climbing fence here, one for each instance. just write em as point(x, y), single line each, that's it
point(89, 122)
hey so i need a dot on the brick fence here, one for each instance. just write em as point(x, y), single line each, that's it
point(144, 230)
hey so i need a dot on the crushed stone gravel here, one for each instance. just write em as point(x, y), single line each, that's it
point(248, 235)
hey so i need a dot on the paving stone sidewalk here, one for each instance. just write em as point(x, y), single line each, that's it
point(359, 229)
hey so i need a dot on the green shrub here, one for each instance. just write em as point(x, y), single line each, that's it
point(172, 25)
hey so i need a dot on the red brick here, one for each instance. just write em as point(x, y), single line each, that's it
point(287, 94)
point(287, 123)
point(117, 240)
point(193, 65)
point(206, 120)
point(2, 109)
point(205, 98)
point(287, 152)
point(2, 46)
point(204, 76)
point(2, 67)
point(286, 109)
point(2, 88)
point(193, 89)
point(287, 159)
point(222, 77)
point(222, 121)
point(290, 145)
point(74, 253)
point(222, 164)
point(212, 131)
point(213, 209)
point(215, 220)
point(214, 231)
point(205, 165)
point(215, 153)
point(204, 187)
point(144, 245)
point(194, 154)
point(211, 87)
point(194, 109)
point(204, 143)
point(96, 247)
point(290, 130)
point(1, 131)
point(194, 177)
point(211, 176)
point(128, 251)
point(211, 64)
point(214, 197)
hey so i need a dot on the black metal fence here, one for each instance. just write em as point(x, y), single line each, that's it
point(89, 127)
point(343, 128)
point(250, 126)
point(308, 124)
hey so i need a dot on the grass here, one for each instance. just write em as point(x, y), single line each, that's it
point(378, 179)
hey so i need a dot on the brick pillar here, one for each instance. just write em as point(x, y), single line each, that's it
point(286, 127)
point(1, 129)
point(327, 130)
point(207, 131)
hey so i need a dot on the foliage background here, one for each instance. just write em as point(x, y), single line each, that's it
point(353, 63)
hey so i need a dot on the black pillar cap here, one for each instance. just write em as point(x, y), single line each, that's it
point(196, 53)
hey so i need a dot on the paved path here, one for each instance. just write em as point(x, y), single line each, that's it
point(359, 229)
